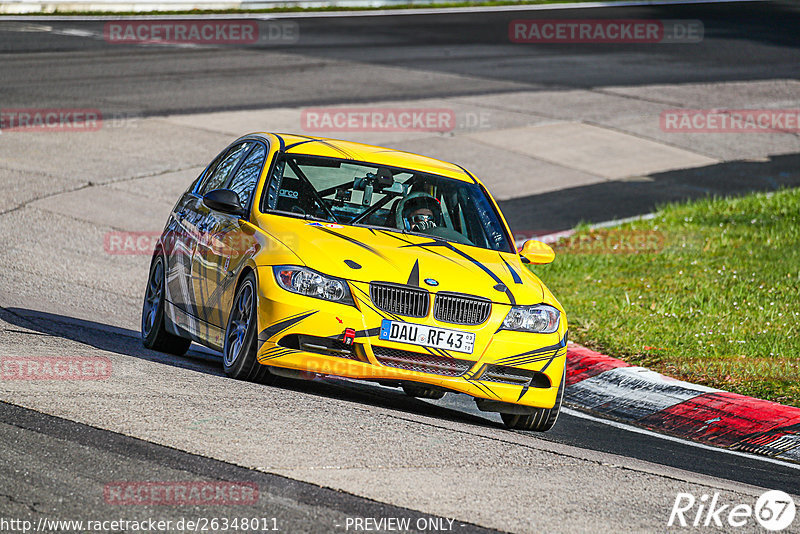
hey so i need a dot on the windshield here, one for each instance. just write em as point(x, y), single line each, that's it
point(347, 192)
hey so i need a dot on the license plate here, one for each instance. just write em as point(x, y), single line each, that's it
point(427, 336)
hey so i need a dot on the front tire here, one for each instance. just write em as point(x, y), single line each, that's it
point(154, 334)
point(239, 351)
point(542, 419)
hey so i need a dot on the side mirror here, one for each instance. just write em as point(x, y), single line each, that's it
point(224, 200)
point(537, 252)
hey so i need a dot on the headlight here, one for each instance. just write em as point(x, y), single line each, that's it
point(304, 281)
point(540, 318)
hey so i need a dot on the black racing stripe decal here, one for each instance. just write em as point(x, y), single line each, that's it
point(390, 234)
point(522, 393)
point(466, 256)
point(430, 350)
point(533, 359)
point(277, 354)
point(282, 142)
point(560, 345)
point(347, 154)
point(411, 243)
point(422, 245)
point(441, 352)
point(297, 144)
point(276, 328)
point(446, 353)
point(483, 387)
point(514, 274)
point(314, 140)
point(413, 278)
point(366, 301)
point(469, 375)
point(510, 296)
point(351, 240)
point(550, 357)
point(466, 172)
point(369, 332)
point(533, 355)
point(545, 366)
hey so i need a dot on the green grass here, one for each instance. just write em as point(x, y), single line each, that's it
point(707, 291)
point(296, 9)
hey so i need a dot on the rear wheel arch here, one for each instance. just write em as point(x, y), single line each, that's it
point(154, 322)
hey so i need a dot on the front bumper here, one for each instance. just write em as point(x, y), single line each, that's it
point(303, 333)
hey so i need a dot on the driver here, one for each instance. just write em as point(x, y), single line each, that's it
point(422, 213)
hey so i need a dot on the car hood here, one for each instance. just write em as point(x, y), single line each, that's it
point(365, 255)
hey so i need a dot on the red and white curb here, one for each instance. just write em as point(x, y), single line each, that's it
point(615, 389)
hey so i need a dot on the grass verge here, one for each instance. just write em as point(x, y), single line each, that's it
point(707, 291)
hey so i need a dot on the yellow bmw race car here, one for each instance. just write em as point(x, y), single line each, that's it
point(302, 256)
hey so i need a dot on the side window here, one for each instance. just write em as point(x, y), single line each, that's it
point(286, 192)
point(246, 177)
point(290, 194)
point(217, 177)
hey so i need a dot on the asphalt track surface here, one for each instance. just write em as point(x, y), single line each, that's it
point(407, 57)
point(55, 465)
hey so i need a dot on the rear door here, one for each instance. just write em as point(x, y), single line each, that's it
point(179, 247)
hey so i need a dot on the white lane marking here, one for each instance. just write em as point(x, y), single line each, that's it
point(637, 430)
point(99, 36)
point(384, 12)
point(472, 410)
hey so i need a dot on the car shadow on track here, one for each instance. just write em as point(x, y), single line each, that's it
point(201, 359)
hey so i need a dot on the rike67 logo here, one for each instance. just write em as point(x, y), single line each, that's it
point(773, 511)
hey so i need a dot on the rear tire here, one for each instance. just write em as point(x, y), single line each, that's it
point(421, 392)
point(154, 334)
point(542, 419)
point(239, 351)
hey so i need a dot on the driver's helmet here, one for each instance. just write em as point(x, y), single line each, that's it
point(421, 213)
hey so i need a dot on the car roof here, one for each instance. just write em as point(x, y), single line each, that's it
point(336, 148)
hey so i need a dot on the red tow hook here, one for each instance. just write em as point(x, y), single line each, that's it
point(349, 336)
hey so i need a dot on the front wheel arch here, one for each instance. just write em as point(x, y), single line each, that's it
point(245, 366)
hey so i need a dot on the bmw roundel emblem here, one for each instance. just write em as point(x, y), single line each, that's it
point(431, 282)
